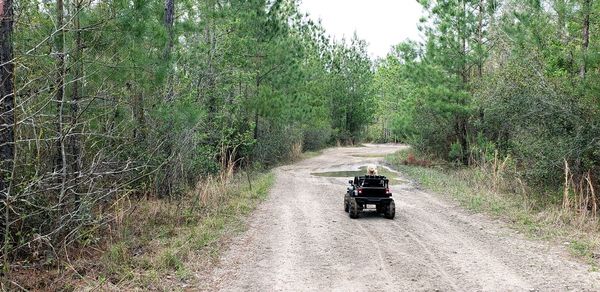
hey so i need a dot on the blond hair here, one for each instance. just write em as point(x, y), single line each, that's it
point(371, 169)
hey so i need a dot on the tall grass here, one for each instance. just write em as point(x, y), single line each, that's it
point(492, 188)
point(163, 237)
point(156, 243)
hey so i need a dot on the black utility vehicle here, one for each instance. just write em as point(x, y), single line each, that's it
point(369, 190)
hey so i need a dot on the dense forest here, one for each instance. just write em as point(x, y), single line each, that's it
point(506, 84)
point(103, 100)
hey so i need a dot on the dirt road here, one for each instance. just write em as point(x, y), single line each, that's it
point(301, 239)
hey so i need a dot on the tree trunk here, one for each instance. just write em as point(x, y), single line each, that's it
point(256, 125)
point(587, 6)
point(462, 133)
point(7, 98)
point(166, 186)
point(463, 36)
point(210, 75)
point(480, 40)
point(139, 133)
point(7, 118)
point(169, 21)
point(561, 16)
point(256, 110)
point(60, 164)
point(75, 140)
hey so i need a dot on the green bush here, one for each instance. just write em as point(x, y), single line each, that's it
point(535, 119)
point(456, 152)
point(275, 143)
point(315, 138)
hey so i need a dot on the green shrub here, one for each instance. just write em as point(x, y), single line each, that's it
point(456, 152)
point(275, 143)
point(316, 138)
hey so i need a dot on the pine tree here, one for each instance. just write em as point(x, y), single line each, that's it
point(7, 121)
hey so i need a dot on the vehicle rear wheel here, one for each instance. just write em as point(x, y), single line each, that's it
point(354, 211)
point(390, 211)
point(346, 207)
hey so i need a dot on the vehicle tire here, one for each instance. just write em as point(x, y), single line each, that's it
point(390, 211)
point(346, 207)
point(353, 212)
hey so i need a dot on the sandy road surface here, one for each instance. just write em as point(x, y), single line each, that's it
point(301, 239)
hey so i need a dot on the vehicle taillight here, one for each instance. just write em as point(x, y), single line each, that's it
point(387, 190)
point(360, 190)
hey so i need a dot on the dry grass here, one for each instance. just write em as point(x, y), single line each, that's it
point(155, 244)
point(164, 243)
point(487, 190)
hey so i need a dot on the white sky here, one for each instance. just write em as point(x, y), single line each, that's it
point(382, 23)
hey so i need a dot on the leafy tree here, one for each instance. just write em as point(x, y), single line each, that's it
point(515, 77)
point(147, 97)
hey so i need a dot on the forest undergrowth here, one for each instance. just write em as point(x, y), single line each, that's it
point(153, 242)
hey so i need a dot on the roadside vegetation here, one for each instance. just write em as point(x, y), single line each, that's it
point(154, 243)
point(501, 104)
point(162, 244)
point(496, 190)
point(114, 114)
